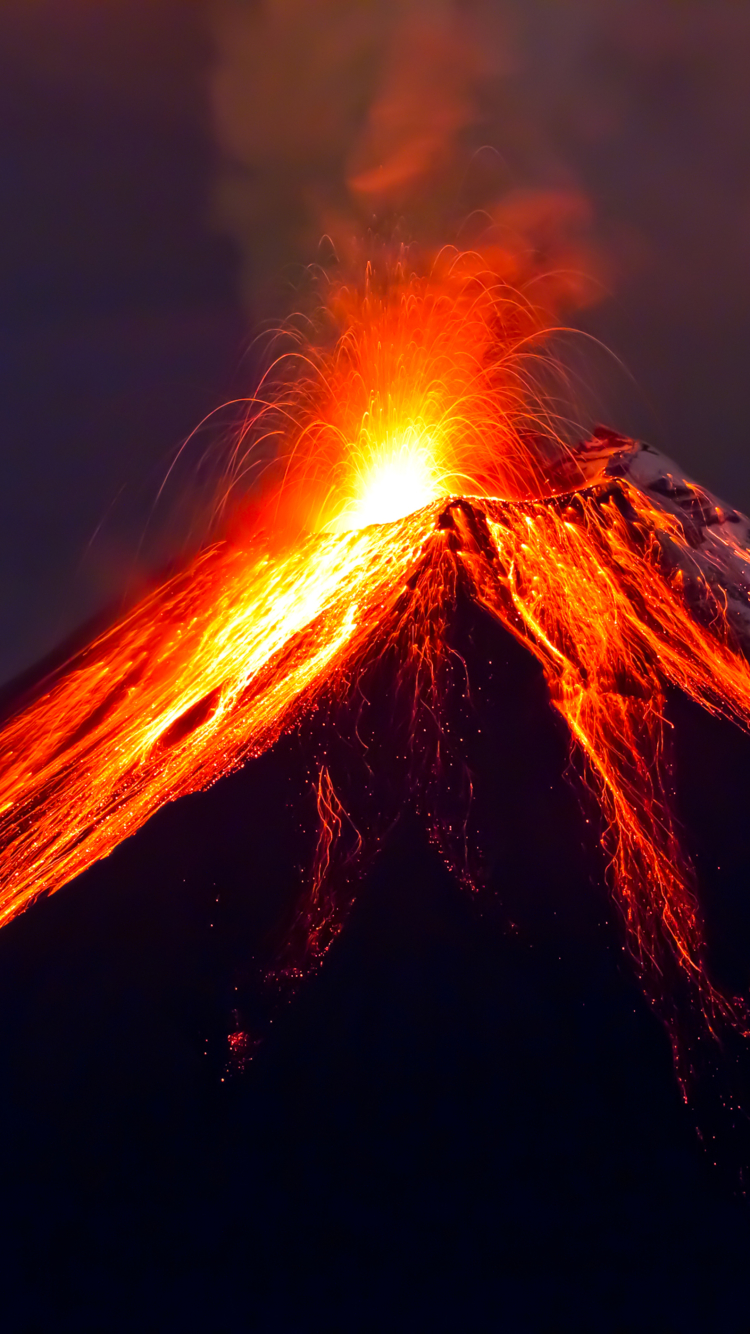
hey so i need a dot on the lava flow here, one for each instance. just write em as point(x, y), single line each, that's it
point(414, 458)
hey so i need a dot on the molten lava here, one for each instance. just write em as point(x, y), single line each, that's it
point(415, 459)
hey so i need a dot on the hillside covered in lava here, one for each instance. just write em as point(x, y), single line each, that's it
point(471, 1106)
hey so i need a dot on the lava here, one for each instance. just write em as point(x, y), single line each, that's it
point(416, 455)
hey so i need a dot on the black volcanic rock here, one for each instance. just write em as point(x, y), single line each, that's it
point(468, 1119)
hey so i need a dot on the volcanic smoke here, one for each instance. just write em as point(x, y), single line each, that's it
point(417, 458)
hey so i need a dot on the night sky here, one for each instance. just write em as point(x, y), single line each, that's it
point(119, 326)
point(457, 1126)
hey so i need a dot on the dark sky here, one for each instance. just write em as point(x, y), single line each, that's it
point(459, 1125)
point(120, 324)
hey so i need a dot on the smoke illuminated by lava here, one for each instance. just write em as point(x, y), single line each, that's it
point(418, 453)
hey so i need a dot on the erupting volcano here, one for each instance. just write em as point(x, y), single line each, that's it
point(420, 455)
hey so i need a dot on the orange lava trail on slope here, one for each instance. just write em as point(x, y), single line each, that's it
point(581, 581)
point(584, 569)
point(201, 675)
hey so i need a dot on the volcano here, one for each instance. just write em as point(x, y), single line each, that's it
point(625, 586)
point(478, 694)
point(470, 1112)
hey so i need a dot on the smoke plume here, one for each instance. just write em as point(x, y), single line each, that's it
point(340, 120)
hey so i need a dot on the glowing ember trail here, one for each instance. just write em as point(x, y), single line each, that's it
point(415, 460)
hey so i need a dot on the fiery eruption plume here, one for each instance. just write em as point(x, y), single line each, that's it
point(419, 453)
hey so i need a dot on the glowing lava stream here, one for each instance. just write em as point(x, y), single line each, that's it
point(205, 672)
point(616, 590)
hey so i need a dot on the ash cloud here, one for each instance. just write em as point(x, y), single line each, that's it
point(394, 117)
point(606, 137)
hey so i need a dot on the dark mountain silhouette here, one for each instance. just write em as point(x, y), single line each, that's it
point(467, 1119)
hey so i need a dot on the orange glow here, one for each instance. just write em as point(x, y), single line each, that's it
point(433, 386)
point(427, 398)
point(396, 479)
